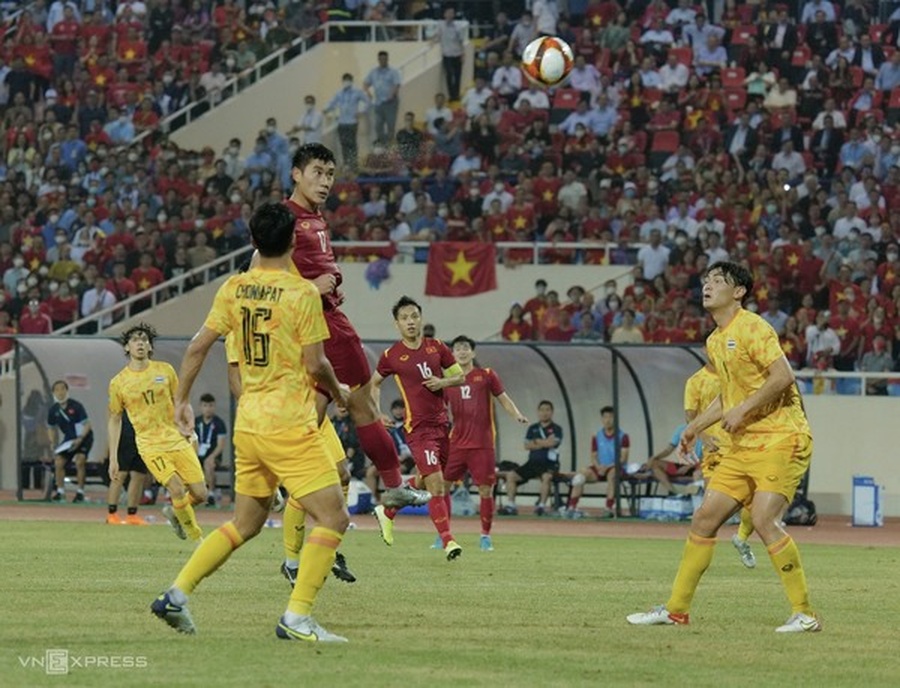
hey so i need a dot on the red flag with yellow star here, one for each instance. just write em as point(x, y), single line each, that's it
point(458, 268)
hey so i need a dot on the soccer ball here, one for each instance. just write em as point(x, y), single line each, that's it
point(547, 60)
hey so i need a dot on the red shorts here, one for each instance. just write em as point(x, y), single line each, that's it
point(480, 463)
point(430, 447)
point(345, 351)
point(600, 472)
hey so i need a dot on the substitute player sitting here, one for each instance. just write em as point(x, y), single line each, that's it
point(277, 319)
point(145, 389)
point(474, 431)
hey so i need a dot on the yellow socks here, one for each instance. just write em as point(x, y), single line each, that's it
point(745, 530)
point(294, 531)
point(697, 555)
point(786, 559)
point(209, 556)
point(184, 512)
point(318, 557)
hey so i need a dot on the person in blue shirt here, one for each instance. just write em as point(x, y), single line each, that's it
point(71, 437)
point(666, 464)
point(602, 465)
point(349, 102)
point(258, 162)
point(73, 150)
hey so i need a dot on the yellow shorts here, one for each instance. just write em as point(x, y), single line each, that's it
point(297, 459)
point(709, 463)
point(778, 467)
point(333, 445)
point(181, 462)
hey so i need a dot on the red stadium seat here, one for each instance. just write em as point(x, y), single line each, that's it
point(742, 34)
point(733, 77)
point(566, 99)
point(684, 54)
point(665, 142)
point(858, 75)
point(877, 31)
point(801, 56)
point(735, 99)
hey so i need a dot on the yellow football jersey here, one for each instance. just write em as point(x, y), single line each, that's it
point(699, 391)
point(741, 353)
point(273, 315)
point(148, 396)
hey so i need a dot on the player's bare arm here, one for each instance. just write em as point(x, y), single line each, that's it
point(234, 380)
point(114, 432)
point(510, 407)
point(451, 377)
point(320, 369)
point(191, 364)
point(779, 376)
point(712, 414)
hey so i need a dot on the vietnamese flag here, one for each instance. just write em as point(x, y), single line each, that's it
point(460, 268)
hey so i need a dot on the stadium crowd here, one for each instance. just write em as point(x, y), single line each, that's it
point(764, 132)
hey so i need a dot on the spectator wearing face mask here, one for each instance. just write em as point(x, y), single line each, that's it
point(16, 274)
point(34, 320)
point(309, 126)
point(349, 102)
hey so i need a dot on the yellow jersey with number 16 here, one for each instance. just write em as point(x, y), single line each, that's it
point(148, 396)
point(271, 315)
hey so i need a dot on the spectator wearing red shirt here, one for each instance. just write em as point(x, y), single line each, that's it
point(64, 39)
point(33, 320)
point(131, 53)
point(63, 306)
point(146, 275)
point(93, 27)
point(145, 118)
point(848, 329)
point(7, 344)
point(516, 328)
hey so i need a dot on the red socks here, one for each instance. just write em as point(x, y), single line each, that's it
point(573, 502)
point(380, 449)
point(437, 510)
point(486, 510)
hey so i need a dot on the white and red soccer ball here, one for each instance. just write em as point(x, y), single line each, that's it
point(547, 60)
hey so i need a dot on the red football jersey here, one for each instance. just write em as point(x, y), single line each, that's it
point(472, 407)
point(410, 368)
point(312, 250)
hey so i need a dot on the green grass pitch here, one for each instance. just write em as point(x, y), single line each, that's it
point(539, 611)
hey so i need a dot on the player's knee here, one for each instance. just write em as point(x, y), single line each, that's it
point(175, 488)
point(337, 520)
point(198, 491)
point(578, 480)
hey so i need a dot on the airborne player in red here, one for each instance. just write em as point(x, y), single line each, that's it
point(313, 174)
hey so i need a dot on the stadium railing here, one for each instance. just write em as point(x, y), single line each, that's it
point(417, 251)
point(327, 32)
point(162, 292)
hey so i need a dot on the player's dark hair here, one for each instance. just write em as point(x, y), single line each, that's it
point(734, 274)
point(463, 339)
point(607, 409)
point(60, 382)
point(146, 328)
point(308, 152)
point(272, 229)
point(398, 403)
point(545, 402)
point(403, 302)
point(207, 398)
